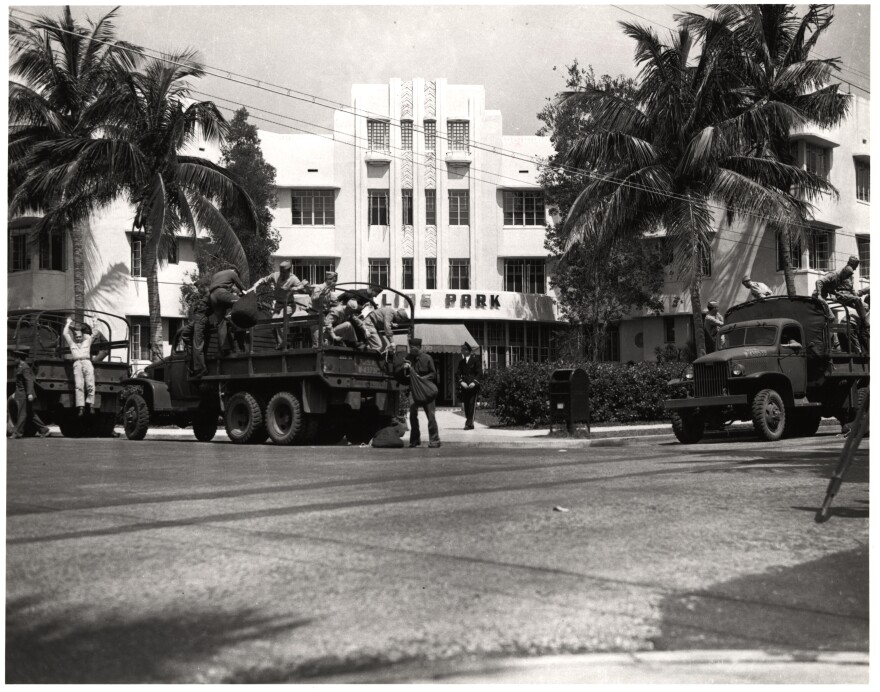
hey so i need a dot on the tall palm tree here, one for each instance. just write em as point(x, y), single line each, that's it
point(63, 73)
point(768, 51)
point(666, 157)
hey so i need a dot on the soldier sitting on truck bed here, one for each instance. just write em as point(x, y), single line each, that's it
point(379, 326)
point(840, 284)
point(343, 325)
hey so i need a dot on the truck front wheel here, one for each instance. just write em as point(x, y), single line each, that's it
point(688, 428)
point(244, 418)
point(205, 425)
point(284, 418)
point(768, 414)
point(136, 417)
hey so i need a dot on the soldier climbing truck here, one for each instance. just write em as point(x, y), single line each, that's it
point(39, 333)
point(780, 363)
point(277, 387)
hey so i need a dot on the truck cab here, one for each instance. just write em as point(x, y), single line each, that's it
point(780, 363)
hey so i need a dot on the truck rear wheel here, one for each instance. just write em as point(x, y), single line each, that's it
point(284, 418)
point(205, 425)
point(244, 419)
point(768, 414)
point(135, 417)
point(308, 433)
point(688, 428)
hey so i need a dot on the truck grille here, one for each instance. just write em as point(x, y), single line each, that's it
point(710, 379)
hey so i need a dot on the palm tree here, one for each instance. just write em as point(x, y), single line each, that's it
point(666, 157)
point(769, 53)
point(64, 74)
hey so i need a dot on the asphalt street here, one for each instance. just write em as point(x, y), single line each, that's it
point(178, 561)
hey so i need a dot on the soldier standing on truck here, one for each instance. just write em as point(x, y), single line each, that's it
point(322, 298)
point(757, 290)
point(80, 343)
point(284, 280)
point(712, 322)
point(841, 285)
point(379, 326)
point(24, 397)
point(224, 289)
point(195, 334)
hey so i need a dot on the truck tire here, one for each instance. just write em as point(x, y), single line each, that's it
point(284, 418)
point(768, 415)
point(244, 419)
point(308, 433)
point(330, 432)
point(205, 425)
point(104, 424)
point(135, 417)
point(803, 423)
point(688, 428)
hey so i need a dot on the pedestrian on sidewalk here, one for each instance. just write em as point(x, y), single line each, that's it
point(24, 398)
point(80, 343)
point(422, 365)
point(469, 373)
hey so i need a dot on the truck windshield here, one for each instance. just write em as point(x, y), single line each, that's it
point(749, 336)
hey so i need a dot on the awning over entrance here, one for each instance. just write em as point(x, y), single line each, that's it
point(444, 338)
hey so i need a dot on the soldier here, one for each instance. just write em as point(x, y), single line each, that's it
point(379, 326)
point(343, 325)
point(284, 280)
point(224, 293)
point(757, 290)
point(712, 322)
point(25, 396)
point(423, 365)
point(840, 284)
point(195, 334)
point(80, 343)
point(468, 374)
point(322, 298)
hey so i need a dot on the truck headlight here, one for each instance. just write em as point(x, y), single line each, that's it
point(689, 372)
point(737, 369)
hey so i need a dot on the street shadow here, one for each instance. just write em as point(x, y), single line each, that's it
point(820, 463)
point(70, 648)
point(818, 605)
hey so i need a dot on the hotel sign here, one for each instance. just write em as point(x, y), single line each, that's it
point(503, 305)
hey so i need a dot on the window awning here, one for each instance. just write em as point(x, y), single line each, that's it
point(442, 338)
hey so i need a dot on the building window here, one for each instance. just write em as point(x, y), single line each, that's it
point(863, 181)
point(406, 140)
point(312, 270)
point(430, 135)
point(430, 207)
point(669, 330)
point(458, 207)
point(524, 276)
point(459, 134)
point(407, 207)
point(174, 326)
point(496, 344)
point(379, 270)
point(378, 207)
point(817, 159)
point(517, 348)
point(706, 263)
point(52, 255)
point(476, 331)
point(460, 274)
point(794, 250)
point(172, 253)
point(407, 274)
point(140, 338)
point(610, 350)
point(820, 249)
point(864, 245)
point(137, 254)
point(377, 135)
point(523, 208)
point(19, 254)
point(431, 274)
point(312, 207)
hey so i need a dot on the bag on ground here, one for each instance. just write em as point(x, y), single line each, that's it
point(389, 437)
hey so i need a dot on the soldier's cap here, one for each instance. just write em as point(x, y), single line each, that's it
point(415, 341)
point(712, 304)
point(746, 278)
point(331, 275)
point(853, 259)
point(285, 266)
point(467, 346)
point(86, 329)
point(846, 271)
point(352, 305)
point(401, 314)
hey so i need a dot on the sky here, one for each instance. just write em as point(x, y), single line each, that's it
point(517, 51)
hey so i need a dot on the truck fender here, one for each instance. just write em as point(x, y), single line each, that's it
point(773, 380)
point(155, 392)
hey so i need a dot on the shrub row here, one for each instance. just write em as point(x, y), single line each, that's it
point(619, 393)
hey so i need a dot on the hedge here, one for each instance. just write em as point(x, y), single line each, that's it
point(619, 393)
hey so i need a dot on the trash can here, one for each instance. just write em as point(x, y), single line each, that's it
point(570, 398)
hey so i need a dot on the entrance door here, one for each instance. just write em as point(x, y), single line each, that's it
point(445, 364)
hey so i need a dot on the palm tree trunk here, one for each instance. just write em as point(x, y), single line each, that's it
point(77, 234)
point(697, 314)
point(151, 264)
point(784, 235)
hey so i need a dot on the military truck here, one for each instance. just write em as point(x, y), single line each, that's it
point(39, 333)
point(782, 364)
point(279, 387)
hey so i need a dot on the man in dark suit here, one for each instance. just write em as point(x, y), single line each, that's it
point(24, 398)
point(468, 374)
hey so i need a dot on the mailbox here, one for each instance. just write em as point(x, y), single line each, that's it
point(570, 398)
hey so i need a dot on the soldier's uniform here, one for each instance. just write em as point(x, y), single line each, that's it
point(379, 326)
point(322, 300)
point(24, 396)
point(711, 324)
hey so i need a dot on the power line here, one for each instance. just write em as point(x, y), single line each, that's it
point(495, 150)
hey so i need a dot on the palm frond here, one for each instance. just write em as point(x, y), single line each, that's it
point(222, 234)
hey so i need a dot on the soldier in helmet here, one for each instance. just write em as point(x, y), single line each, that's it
point(712, 322)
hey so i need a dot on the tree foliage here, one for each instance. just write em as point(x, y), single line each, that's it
point(592, 294)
